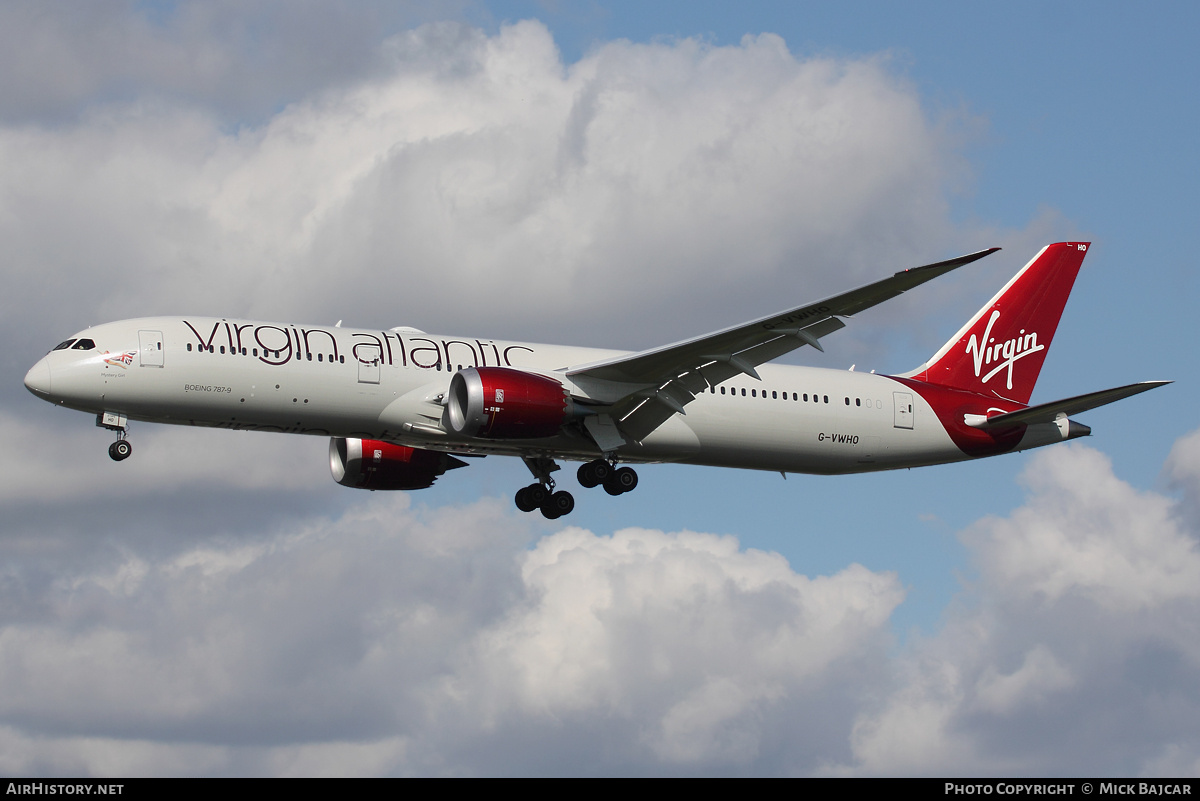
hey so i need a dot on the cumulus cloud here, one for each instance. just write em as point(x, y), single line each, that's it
point(391, 638)
point(463, 168)
point(398, 640)
point(62, 59)
point(1075, 648)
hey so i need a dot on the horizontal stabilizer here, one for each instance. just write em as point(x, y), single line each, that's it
point(1049, 412)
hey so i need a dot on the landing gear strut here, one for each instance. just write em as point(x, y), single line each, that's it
point(616, 480)
point(541, 494)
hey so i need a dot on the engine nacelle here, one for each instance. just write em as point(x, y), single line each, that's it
point(374, 465)
point(502, 403)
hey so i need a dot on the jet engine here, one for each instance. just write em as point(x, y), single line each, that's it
point(374, 465)
point(502, 403)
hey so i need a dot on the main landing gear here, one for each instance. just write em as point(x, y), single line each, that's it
point(616, 480)
point(541, 494)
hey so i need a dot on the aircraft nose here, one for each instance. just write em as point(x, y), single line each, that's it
point(37, 380)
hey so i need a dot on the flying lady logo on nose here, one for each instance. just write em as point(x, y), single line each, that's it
point(987, 351)
point(122, 360)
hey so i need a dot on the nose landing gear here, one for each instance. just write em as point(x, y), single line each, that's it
point(120, 450)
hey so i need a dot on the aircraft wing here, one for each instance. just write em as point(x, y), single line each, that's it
point(1049, 412)
point(663, 380)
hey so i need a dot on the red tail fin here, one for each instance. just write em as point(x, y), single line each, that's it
point(1001, 351)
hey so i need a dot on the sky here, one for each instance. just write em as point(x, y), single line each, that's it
point(619, 175)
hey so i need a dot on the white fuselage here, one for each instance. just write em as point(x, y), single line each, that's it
point(389, 385)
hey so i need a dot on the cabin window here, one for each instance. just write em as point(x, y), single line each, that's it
point(310, 357)
point(743, 392)
point(320, 357)
point(189, 347)
point(722, 390)
point(341, 359)
point(847, 401)
point(858, 401)
point(222, 349)
point(826, 398)
point(754, 393)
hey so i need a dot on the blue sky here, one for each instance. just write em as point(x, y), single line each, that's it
point(387, 165)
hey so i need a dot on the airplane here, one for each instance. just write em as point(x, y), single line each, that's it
point(402, 407)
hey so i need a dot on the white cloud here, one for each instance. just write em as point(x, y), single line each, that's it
point(394, 639)
point(1183, 471)
point(467, 168)
point(684, 639)
point(1076, 648)
point(387, 640)
point(1087, 533)
point(62, 58)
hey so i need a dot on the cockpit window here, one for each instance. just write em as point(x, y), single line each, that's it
point(84, 344)
point(64, 345)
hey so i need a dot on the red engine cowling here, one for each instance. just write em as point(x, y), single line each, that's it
point(374, 465)
point(502, 403)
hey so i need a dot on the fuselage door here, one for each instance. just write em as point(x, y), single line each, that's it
point(368, 363)
point(904, 409)
point(150, 348)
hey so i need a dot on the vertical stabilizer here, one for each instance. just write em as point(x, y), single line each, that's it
point(1001, 350)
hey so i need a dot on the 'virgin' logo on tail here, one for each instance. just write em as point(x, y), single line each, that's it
point(987, 351)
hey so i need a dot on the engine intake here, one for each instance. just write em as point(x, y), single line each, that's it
point(374, 465)
point(502, 403)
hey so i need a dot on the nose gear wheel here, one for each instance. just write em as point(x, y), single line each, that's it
point(120, 450)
